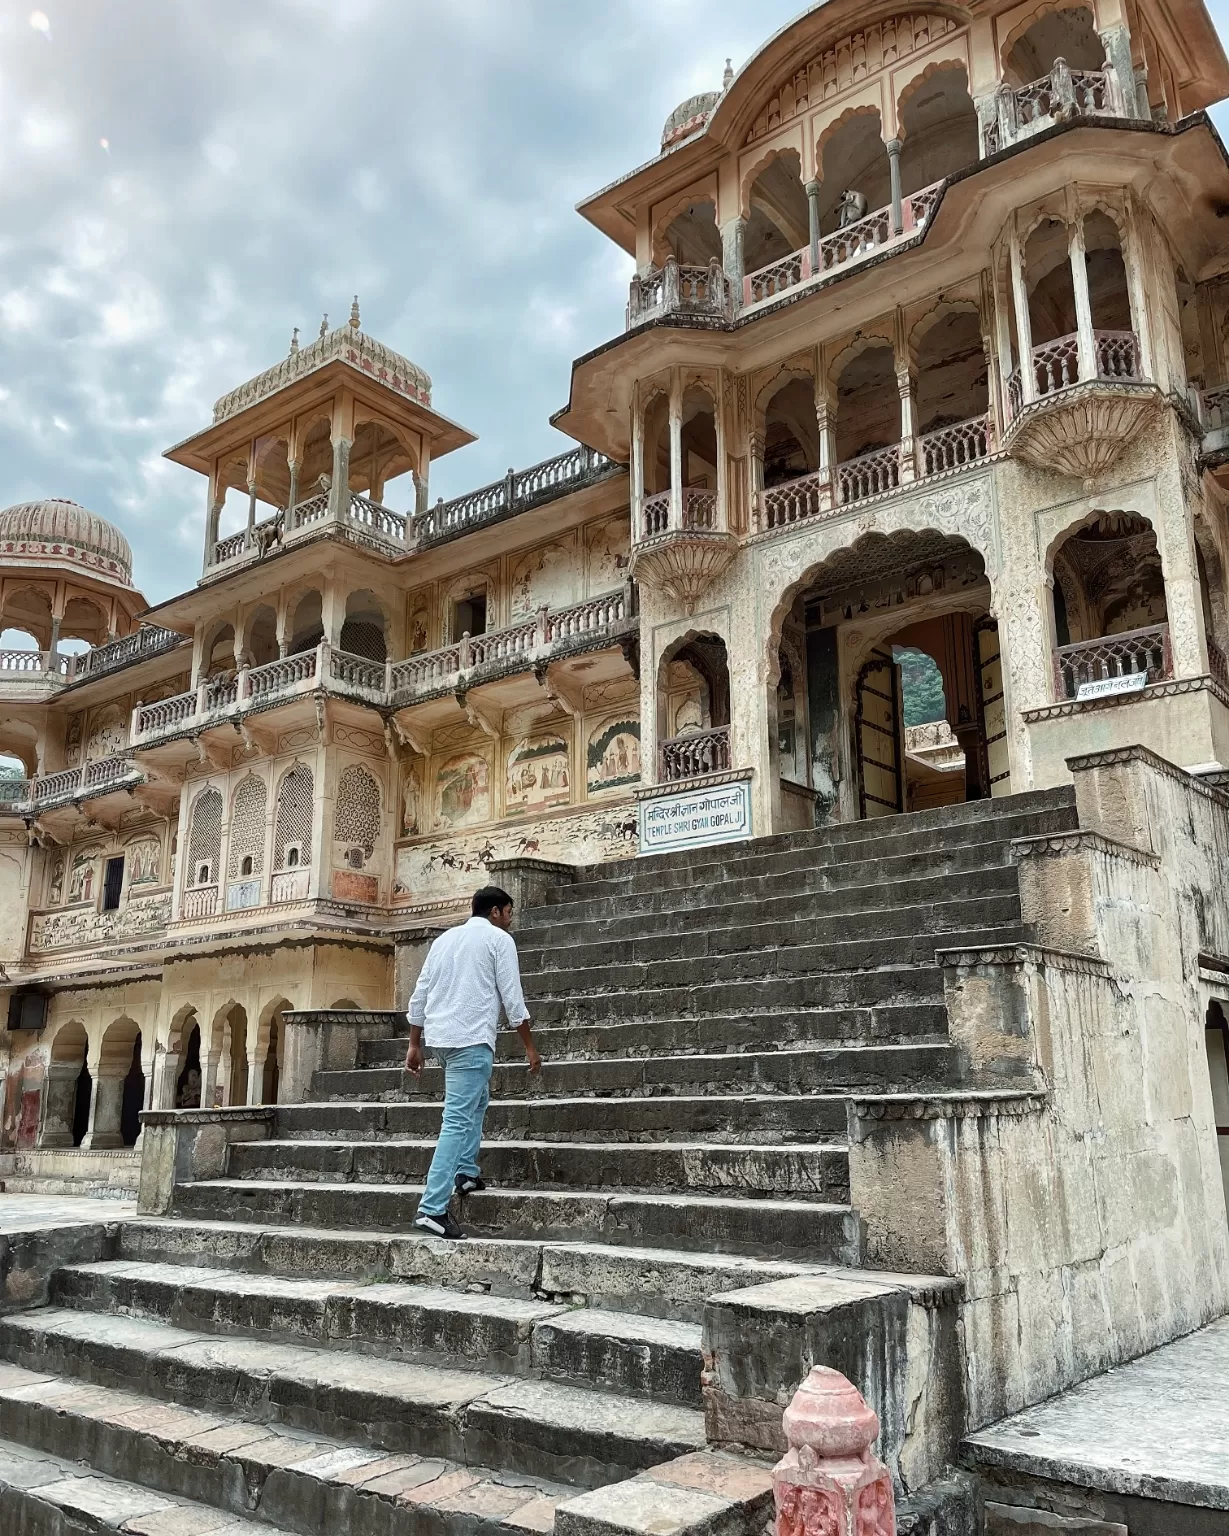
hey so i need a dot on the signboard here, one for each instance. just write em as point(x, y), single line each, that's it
point(1107, 687)
point(693, 817)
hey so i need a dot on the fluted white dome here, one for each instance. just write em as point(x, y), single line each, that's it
point(53, 530)
point(688, 116)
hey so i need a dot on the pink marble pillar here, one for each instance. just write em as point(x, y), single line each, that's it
point(828, 1483)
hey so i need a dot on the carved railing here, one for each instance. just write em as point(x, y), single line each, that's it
point(227, 548)
point(793, 501)
point(700, 292)
point(200, 901)
point(1062, 94)
point(431, 670)
point(25, 662)
point(220, 693)
point(105, 771)
point(15, 791)
point(954, 446)
point(377, 519)
point(1118, 355)
point(654, 514)
point(699, 508)
point(1218, 665)
point(166, 714)
point(357, 673)
point(290, 885)
point(149, 640)
point(91, 779)
point(919, 206)
point(689, 757)
point(1056, 364)
point(314, 510)
point(1091, 661)
point(1214, 405)
point(855, 240)
point(514, 493)
point(500, 645)
point(56, 786)
point(288, 672)
point(777, 277)
point(870, 474)
point(594, 614)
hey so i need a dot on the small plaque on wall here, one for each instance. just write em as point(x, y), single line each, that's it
point(693, 817)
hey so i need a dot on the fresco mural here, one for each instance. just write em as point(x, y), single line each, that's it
point(144, 858)
point(446, 869)
point(419, 631)
point(609, 555)
point(411, 802)
point(81, 880)
point(539, 775)
point(613, 756)
point(78, 929)
point(543, 579)
point(463, 791)
point(56, 894)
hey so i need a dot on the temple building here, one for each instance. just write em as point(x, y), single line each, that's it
point(905, 489)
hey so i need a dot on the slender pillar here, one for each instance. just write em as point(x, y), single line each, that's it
point(898, 210)
point(1083, 302)
point(813, 191)
point(292, 496)
point(1024, 324)
point(905, 385)
point(732, 237)
point(676, 453)
point(637, 469)
point(1117, 44)
point(256, 1080)
point(339, 491)
point(755, 466)
point(825, 419)
point(53, 648)
point(209, 1077)
point(422, 481)
point(251, 508)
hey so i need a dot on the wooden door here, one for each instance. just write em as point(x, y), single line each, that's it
point(988, 659)
point(879, 737)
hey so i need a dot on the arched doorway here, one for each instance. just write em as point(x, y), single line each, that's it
point(133, 1098)
point(693, 708)
point(68, 1089)
point(902, 682)
point(188, 1083)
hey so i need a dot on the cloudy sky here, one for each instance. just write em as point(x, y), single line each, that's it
point(183, 181)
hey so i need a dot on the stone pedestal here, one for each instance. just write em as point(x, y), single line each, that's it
point(828, 1483)
point(527, 881)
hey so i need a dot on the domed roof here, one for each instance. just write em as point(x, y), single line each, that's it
point(55, 531)
point(688, 116)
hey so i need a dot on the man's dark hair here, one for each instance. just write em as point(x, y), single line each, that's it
point(488, 899)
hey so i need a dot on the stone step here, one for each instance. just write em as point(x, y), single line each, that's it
point(710, 933)
point(156, 1470)
point(425, 1324)
point(695, 996)
point(657, 1282)
point(791, 901)
point(814, 1172)
point(794, 871)
point(44, 1494)
point(859, 954)
point(810, 1230)
point(798, 1070)
point(893, 1023)
point(885, 837)
point(744, 1117)
point(534, 1428)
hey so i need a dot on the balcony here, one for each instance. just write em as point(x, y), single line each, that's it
point(149, 640)
point(694, 755)
point(227, 703)
point(702, 294)
point(1057, 97)
point(841, 249)
point(1073, 418)
point(361, 517)
point(515, 493)
point(681, 553)
point(1212, 410)
point(68, 787)
point(1125, 655)
point(825, 494)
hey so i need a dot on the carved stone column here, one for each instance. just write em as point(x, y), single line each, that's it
point(1083, 302)
point(905, 385)
point(898, 211)
point(825, 418)
point(828, 1483)
point(1117, 42)
point(292, 496)
point(1024, 323)
point(251, 509)
point(732, 236)
point(813, 190)
point(339, 491)
point(637, 467)
point(676, 453)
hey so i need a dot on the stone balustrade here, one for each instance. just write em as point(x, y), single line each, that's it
point(700, 293)
point(149, 640)
point(1128, 654)
point(1056, 364)
point(31, 797)
point(516, 492)
point(694, 755)
point(1016, 113)
point(869, 474)
point(388, 685)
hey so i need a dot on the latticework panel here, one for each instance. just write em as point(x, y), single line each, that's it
point(294, 817)
point(357, 820)
point(247, 828)
point(205, 838)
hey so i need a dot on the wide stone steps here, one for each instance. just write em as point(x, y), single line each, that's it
point(921, 832)
point(43, 1494)
point(159, 1470)
point(811, 1230)
point(695, 996)
point(790, 872)
point(744, 1117)
point(710, 936)
point(892, 1024)
point(657, 1282)
point(814, 1171)
point(801, 1069)
point(786, 904)
point(536, 1429)
point(650, 1357)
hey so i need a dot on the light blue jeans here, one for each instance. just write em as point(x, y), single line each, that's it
point(467, 1090)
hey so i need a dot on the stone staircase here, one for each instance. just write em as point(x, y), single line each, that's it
point(678, 1174)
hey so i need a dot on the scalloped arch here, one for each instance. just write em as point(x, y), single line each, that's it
point(659, 249)
point(758, 169)
point(864, 109)
point(938, 66)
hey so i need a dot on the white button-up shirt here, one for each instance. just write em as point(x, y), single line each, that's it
point(470, 973)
